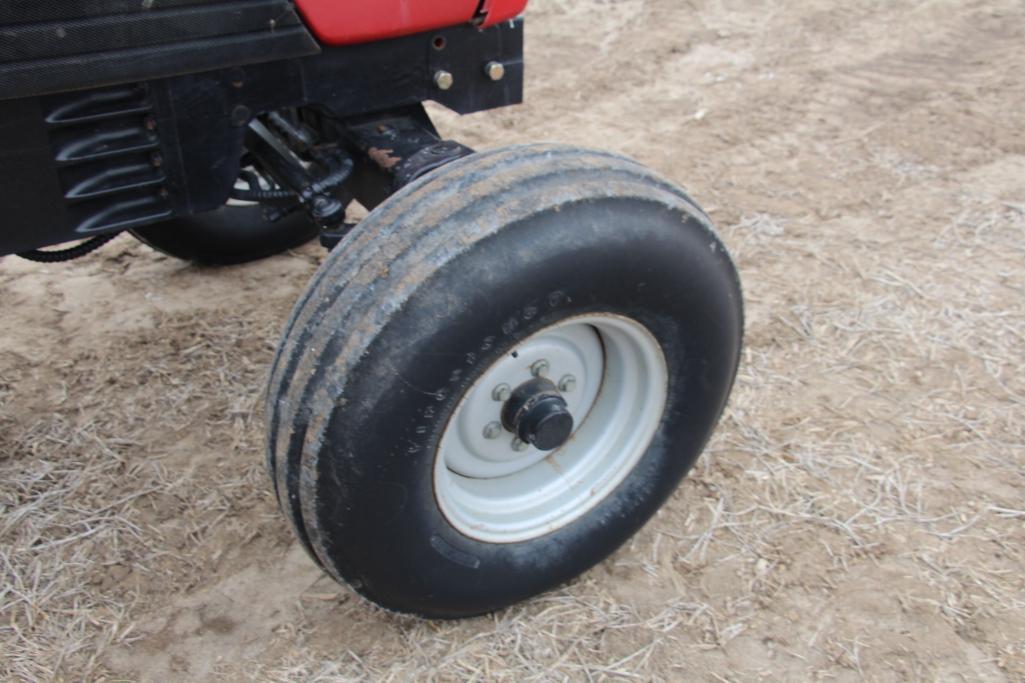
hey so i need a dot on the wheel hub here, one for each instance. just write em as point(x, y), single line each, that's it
point(538, 415)
point(485, 445)
point(551, 428)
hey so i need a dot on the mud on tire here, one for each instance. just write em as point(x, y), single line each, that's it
point(438, 286)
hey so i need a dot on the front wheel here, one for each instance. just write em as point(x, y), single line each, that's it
point(499, 376)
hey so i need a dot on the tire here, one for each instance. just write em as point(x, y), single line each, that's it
point(229, 235)
point(450, 280)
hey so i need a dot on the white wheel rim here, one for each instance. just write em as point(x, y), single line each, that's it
point(491, 492)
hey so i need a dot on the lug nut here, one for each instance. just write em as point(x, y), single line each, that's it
point(568, 383)
point(539, 368)
point(519, 445)
point(443, 79)
point(492, 430)
point(494, 70)
point(501, 393)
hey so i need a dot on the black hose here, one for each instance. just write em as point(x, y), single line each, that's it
point(58, 255)
point(255, 193)
point(332, 180)
point(260, 195)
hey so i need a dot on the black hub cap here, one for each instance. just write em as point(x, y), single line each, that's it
point(538, 415)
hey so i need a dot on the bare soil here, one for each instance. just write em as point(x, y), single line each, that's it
point(860, 513)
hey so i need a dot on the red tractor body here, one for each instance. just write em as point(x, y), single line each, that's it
point(344, 23)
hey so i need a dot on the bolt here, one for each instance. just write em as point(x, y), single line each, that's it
point(568, 383)
point(150, 123)
point(539, 368)
point(494, 70)
point(443, 79)
point(519, 444)
point(237, 77)
point(492, 430)
point(240, 116)
point(501, 393)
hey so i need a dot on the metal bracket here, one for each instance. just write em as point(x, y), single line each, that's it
point(404, 145)
point(315, 193)
point(390, 151)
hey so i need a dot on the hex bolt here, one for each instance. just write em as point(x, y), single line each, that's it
point(443, 79)
point(519, 445)
point(567, 383)
point(494, 70)
point(492, 430)
point(539, 368)
point(240, 116)
point(237, 76)
point(501, 393)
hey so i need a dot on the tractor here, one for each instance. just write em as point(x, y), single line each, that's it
point(497, 376)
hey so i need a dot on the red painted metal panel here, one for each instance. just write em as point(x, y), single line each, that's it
point(500, 10)
point(343, 22)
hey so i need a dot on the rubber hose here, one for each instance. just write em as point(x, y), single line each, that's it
point(58, 255)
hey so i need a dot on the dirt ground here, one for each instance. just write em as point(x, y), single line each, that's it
point(860, 513)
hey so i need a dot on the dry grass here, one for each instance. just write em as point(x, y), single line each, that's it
point(859, 514)
point(89, 527)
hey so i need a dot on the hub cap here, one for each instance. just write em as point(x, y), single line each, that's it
point(551, 428)
point(538, 415)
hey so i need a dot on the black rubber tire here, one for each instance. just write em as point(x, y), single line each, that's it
point(229, 235)
point(421, 297)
